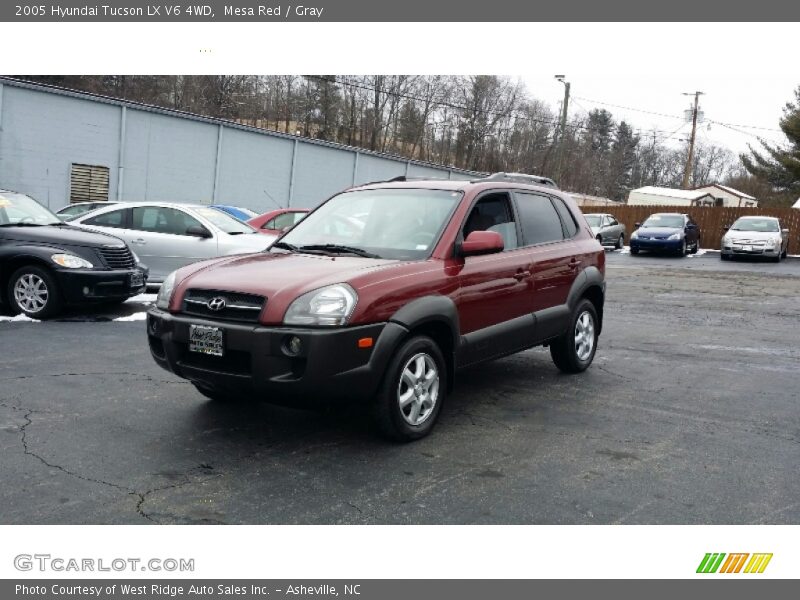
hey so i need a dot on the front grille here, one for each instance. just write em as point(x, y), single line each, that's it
point(237, 307)
point(118, 259)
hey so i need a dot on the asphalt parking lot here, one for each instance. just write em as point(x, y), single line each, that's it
point(688, 415)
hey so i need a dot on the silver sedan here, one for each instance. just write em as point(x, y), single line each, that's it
point(168, 236)
point(607, 230)
point(755, 236)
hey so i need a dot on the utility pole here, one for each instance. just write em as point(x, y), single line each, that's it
point(687, 172)
point(563, 127)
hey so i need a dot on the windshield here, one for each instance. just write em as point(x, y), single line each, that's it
point(18, 209)
point(671, 221)
point(399, 224)
point(751, 224)
point(593, 220)
point(224, 221)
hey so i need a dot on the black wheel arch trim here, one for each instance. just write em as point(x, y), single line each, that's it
point(590, 277)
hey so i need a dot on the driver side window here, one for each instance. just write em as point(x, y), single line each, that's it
point(493, 213)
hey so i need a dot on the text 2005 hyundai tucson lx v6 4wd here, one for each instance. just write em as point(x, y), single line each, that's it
point(383, 292)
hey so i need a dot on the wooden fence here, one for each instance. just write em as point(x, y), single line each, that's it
point(712, 220)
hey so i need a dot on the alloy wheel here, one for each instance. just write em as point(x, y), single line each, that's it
point(31, 293)
point(584, 335)
point(418, 389)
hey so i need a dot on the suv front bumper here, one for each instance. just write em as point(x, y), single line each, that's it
point(330, 364)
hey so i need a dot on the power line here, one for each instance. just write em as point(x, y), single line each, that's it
point(453, 105)
point(648, 112)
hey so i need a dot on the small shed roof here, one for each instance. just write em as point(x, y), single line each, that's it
point(670, 192)
point(730, 190)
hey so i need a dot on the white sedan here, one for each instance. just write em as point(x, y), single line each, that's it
point(168, 236)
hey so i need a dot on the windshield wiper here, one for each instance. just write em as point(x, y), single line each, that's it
point(21, 225)
point(284, 246)
point(337, 248)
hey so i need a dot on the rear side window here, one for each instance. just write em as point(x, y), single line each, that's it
point(539, 219)
point(161, 219)
point(115, 218)
point(570, 226)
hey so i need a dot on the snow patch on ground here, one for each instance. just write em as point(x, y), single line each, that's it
point(20, 318)
point(143, 298)
point(141, 316)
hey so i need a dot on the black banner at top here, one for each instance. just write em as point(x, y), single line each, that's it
point(401, 11)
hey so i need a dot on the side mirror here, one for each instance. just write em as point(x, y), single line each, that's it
point(726, 228)
point(482, 242)
point(637, 225)
point(198, 231)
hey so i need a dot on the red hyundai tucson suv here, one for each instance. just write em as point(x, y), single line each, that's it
point(383, 293)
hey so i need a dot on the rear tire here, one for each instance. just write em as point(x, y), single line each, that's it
point(33, 291)
point(574, 351)
point(696, 246)
point(413, 390)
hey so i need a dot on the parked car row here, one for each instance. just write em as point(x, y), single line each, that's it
point(678, 233)
point(101, 252)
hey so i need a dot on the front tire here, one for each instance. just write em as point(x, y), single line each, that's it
point(411, 395)
point(574, 351)
point(34, 292)
point(620, 242)
point(696, 246)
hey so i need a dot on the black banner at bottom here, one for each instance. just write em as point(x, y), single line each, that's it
point(396, 589)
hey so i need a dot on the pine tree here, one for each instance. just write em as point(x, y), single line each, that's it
point(780, 166)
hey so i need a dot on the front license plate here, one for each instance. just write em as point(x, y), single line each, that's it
point(747, 248)
point(206, 340)
point(137, 279)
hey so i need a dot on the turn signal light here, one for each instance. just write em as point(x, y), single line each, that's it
point(365, 343)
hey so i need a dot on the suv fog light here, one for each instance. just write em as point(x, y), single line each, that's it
point(85, 291)
point(293, 345)
point(153, 326)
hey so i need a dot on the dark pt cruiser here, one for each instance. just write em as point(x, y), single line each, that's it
point(46, 264)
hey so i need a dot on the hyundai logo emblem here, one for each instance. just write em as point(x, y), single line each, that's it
point(216, 304)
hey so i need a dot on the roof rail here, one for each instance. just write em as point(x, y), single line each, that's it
point(520, 178)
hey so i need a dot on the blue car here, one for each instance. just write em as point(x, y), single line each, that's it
point(672, 233)
point(237, 212)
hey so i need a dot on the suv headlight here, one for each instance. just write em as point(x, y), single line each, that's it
point(329, 306)
point(165, 292)
point(635, 234)
point(70, 261)
point(674, 236)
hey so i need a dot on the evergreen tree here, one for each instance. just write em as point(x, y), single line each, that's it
point(780, 166)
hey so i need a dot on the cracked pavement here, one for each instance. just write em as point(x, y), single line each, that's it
point(689, 415)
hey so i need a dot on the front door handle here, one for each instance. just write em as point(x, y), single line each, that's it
point(574, 264)
point(520, 275)
point(138, 242)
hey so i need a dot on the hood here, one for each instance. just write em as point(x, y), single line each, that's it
point(251, 242)
point(658, 232)
point(752, 235)
point(64, 235)
point(279, 277)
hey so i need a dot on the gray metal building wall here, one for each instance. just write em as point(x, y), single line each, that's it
point(156, 154)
